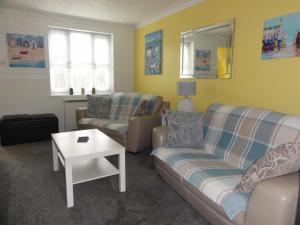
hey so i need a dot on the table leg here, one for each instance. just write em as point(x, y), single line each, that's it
point(122, 176)
point(55, 157)
point(69, 184)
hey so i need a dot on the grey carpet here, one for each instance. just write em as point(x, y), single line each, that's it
point(32, 194)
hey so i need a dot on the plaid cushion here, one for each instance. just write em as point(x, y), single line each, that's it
point(120, 126)
point(123, 105)
point(241, 135)
point(214, 177)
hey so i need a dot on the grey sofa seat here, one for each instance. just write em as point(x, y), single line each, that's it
point(116, 125)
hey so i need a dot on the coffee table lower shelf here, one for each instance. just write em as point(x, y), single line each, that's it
point(91, 169)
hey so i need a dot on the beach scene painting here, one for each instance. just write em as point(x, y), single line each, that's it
point(202, 60)
point(153, 52)
point(25, 50)
point(281, 37)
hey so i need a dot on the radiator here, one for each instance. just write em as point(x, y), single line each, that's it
point(70, 106)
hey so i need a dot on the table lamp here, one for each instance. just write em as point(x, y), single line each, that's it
point(186, 89)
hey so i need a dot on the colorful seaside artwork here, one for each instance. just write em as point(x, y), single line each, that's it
point(153, 53)
point(25, 50)
point(202, 60)
point(281, 37)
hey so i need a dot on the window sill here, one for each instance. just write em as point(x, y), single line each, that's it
point(77, 95)
point(67, 95)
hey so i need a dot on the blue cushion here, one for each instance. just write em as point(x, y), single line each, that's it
point(185, 129)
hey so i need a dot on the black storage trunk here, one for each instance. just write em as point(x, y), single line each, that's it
point(17, 129)
point(14, 129)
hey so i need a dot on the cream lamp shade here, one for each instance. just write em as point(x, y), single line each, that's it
point(186, 88)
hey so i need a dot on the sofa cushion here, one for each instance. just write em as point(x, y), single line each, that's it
point(241, 135)
point(213, 177)
point(123, 104)
point(98, 106)
point(282, 160)
point(117, 125)
point(141, 109)
point(185, 129)
point(190, 193)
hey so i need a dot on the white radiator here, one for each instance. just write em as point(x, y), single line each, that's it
point(70, 106)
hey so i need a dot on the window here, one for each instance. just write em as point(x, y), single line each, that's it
point(187, 62)
point(80, 60)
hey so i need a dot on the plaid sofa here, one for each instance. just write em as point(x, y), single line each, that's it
point(121, 125)
point(234, 138)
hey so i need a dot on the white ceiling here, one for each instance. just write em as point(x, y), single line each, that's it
point(136, 12)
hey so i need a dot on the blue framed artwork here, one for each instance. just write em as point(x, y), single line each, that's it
point(202, 60)
point(25, 50)
point(153, 53)
point(281, 37)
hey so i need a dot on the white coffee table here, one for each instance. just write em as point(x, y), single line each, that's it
point(86, 161)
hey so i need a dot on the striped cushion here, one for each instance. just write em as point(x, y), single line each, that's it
point(120, 126)
point(123, 105)
point(241, 135)
point(214, 177)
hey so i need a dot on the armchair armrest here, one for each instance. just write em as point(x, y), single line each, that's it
point(81, 113)
point(159, 136)
point(274, 201)
point(140, 131)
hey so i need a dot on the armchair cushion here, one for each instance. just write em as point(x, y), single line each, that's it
point(98, 106)
point(184, 129)
point(282, 160)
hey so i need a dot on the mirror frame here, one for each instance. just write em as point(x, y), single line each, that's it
point(203, 29)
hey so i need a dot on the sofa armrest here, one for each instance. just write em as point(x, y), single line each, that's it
point(159, 136)
point(81, 113)
point(274, 201)
point(139, 135)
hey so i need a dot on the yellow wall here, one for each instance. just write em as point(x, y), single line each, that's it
point(273, 84)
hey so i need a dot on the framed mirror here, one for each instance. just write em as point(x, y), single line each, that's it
point(207, 52)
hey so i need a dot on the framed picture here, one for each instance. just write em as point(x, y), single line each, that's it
point(202, 60)
point(153, 53)
point(281, 37)
point(25, 50)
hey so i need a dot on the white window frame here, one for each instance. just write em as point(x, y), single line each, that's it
point(187, 54)
point(109, 66)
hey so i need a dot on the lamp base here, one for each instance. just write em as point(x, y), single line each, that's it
point(185, 105)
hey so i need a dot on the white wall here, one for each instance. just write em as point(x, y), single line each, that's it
point(27, 90)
